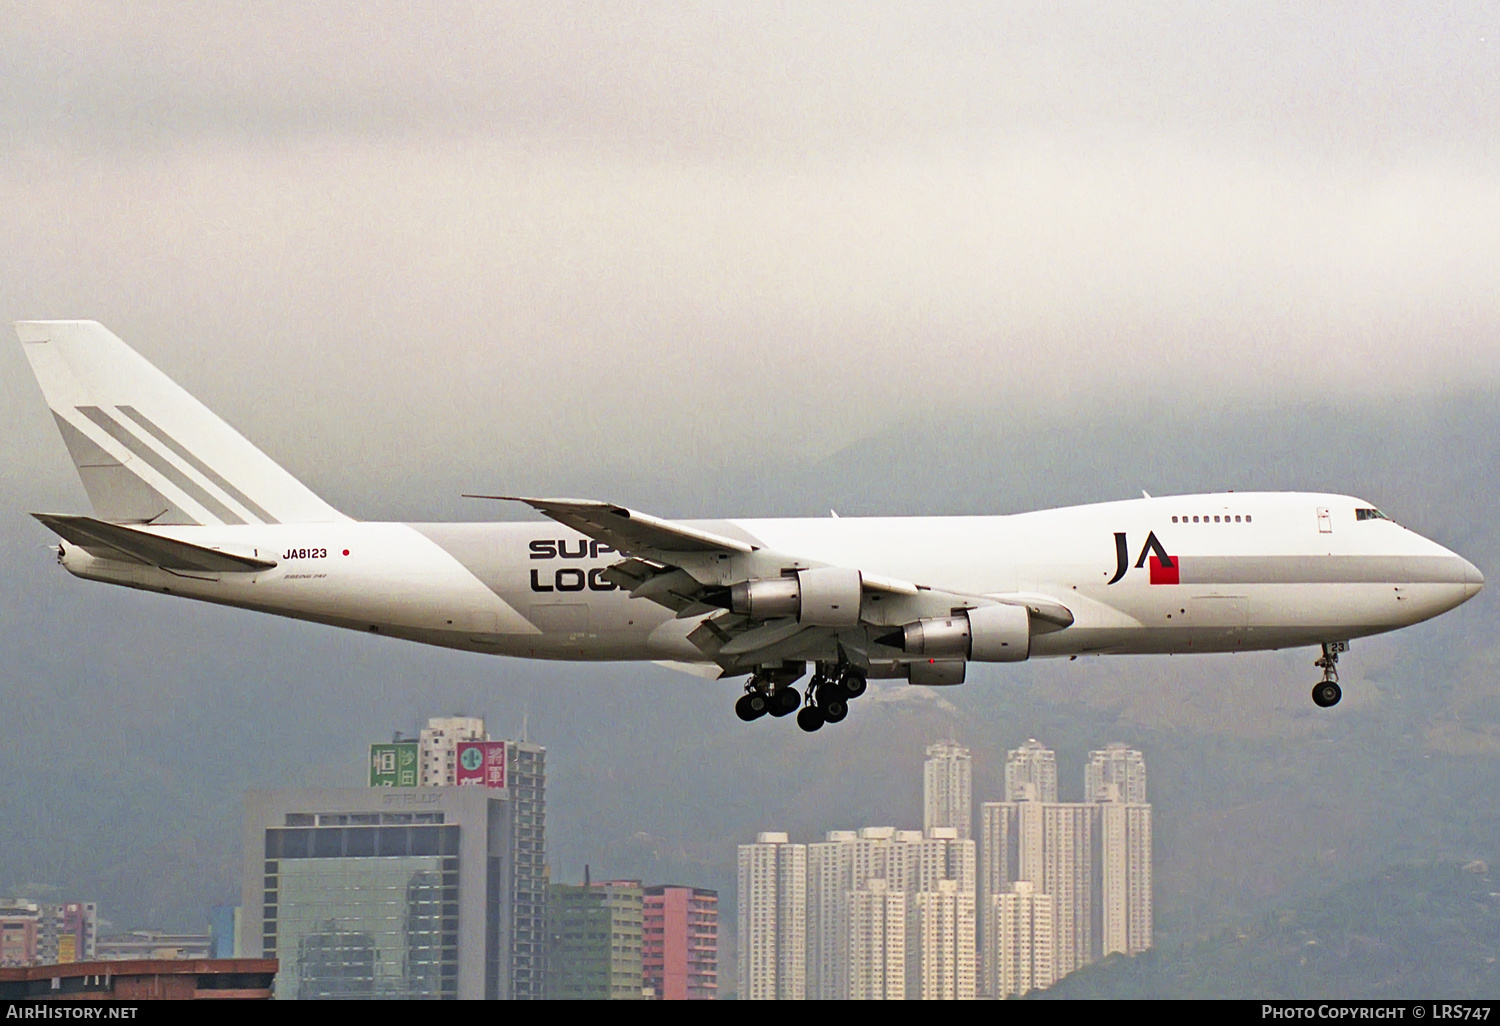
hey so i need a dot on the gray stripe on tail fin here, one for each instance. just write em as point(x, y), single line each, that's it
point(197, 464)
point(153, 459)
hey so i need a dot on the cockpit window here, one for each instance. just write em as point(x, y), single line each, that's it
point(1369, 514)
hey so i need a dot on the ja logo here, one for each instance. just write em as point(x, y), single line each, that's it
point(1164, 568)
point(471, 759)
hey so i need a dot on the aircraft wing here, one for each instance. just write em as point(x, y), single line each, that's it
point(627, 530)
point(692, 571)
point(104, 540)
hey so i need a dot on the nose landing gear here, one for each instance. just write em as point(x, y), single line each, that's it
point(1326, 693)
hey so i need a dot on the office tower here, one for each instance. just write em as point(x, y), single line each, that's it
point(947, 782)
point(876, 944)
point(1116, 774)
point(526, 783)
point(680, 943)
point(382, 892)
point(1031, 773)
point(437, 747)
point(595, 941)
point(224, 931)
point(1023, 954)
point(772, 919)
point(940, 947)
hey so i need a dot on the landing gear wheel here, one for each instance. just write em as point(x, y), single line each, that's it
point(1326, 694)
point(833, 709)
point(853, 684)
point(785, 701)
point(751, 706)
point(810, 718)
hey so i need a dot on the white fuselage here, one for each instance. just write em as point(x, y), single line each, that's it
point(1249, 571)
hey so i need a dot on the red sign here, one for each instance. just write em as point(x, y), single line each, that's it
point(481, 763)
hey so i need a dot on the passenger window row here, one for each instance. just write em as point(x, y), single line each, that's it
point(1226, 518)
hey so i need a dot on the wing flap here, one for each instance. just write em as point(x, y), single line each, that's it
point(114, 541)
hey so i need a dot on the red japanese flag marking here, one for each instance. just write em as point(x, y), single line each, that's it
point(1165, 574)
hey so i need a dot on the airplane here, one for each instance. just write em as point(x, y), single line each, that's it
point(184, 505)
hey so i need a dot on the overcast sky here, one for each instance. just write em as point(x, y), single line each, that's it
point(678, 236)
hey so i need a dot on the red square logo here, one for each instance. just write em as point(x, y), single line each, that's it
point(1165, 574)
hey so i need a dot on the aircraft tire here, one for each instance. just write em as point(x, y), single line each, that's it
point(786, 701)
point(1326, 694)
point(810, 718)
point(834, 708)
point(853, 684)
point(750, 707)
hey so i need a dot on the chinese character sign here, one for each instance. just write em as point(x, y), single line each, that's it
point(481, 763)
point(394, 765)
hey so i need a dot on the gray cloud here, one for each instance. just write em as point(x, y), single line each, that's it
point(520, 236)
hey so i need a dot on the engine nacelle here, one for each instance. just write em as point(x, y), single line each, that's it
point(989, 634)
point(827, 596)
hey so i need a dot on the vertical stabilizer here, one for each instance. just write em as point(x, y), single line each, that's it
point(148, 452)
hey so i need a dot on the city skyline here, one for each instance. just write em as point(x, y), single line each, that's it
point(1048, 888)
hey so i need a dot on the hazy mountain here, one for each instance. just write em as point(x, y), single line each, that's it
point(1411, 932)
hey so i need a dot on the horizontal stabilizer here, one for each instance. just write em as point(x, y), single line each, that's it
point(114, 541)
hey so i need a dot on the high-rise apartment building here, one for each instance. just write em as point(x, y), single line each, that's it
point(1070, 837)
point(830, 878)
point(1115, 779)
point(595, 934)
point(941, 950)
point(947, 785)
point(680, 943)
point(1115, 774)
point(1053, 847)
point(1031, 773)
point(1091, 858)
point(905, 863)
point(772, 902)
point(1023, 955)
point(876, 942)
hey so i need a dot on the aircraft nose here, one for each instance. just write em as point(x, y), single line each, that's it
point(1473, 579)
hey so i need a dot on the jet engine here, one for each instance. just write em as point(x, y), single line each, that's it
point(826, 596)
point(989, 634)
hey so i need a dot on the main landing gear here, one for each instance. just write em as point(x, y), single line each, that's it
point(1326, 693)
point(828, 695)
point(770, 691)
